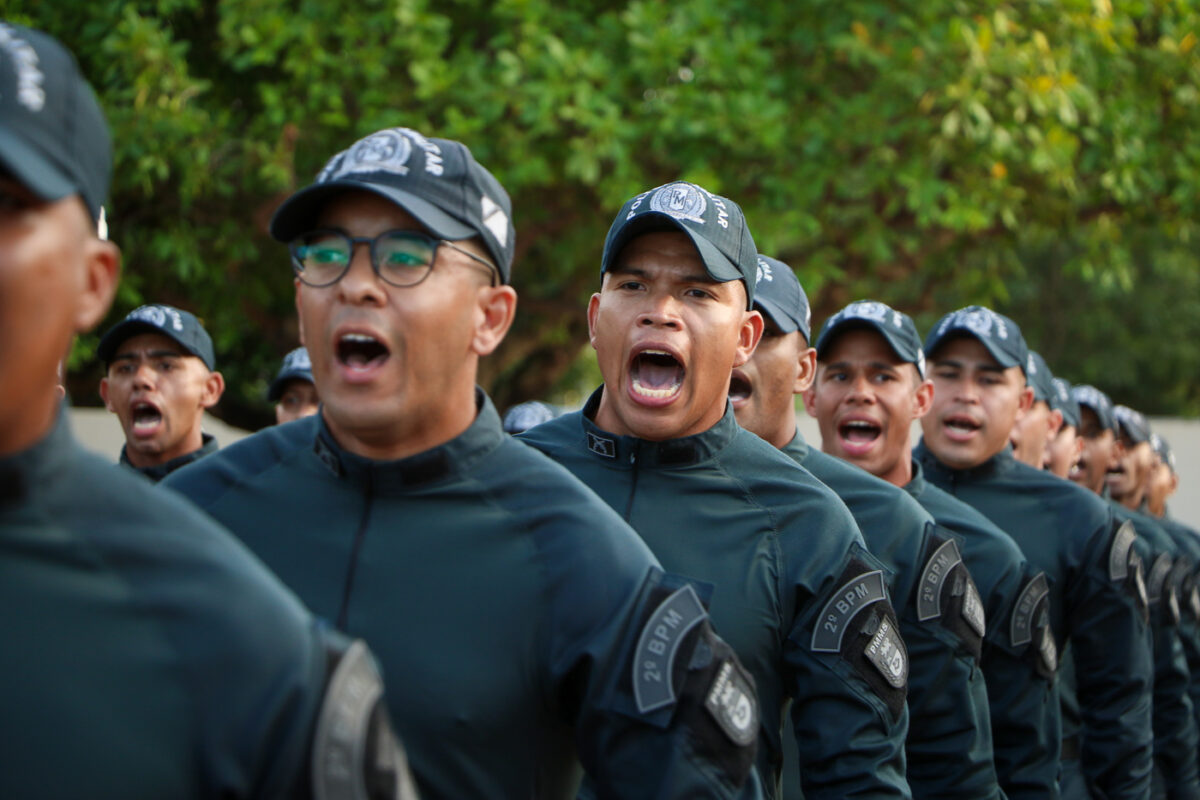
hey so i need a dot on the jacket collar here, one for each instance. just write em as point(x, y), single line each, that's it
point(38, 465)
point(998, 464)
point(437, 464)
point(159, 471)
point(624, 451)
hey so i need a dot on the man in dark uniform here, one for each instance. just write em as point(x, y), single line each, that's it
point(146, 653)
point(1175, 736)
point(802, 602)
point(1038, 426)
point(293, 391)
point(525, 627)
point(942, 618)
point(1063, 449)
point(161, 379)
point(1097, 428)
point(1092, 595)
point(870, 388)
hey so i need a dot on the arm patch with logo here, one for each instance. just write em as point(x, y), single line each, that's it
point(1159, 589)
point(946, 591)
point(859, 624)
point(1030, 624)
point(1125, 566)
point(682, 673)
point(355, 754)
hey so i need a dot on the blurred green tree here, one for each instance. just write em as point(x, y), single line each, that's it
point(1038, 156)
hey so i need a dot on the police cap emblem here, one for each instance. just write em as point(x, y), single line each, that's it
point(681, 201)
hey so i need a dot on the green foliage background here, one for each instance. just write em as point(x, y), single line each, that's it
point(1041, 157)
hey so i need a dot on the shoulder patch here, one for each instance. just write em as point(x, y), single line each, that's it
point(887, 652)
point(972, 609)
point(929, 596)
point(850, 598)
point(654, 656)
point(1047, 651)
point(1156, 584)
point(1023, 620)
point(1194, 601)
point(731, 703)
point(1118, 552)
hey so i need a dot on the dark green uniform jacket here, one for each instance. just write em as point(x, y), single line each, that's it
point(146, 653)
point(1175, 738)
point(942, 619)
point(1187, 565)
point(505, 603)
point(796, 594)
point(159, 471)
point(1026, 717)
point(1093, 599)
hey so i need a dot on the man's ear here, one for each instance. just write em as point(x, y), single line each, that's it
point(749, 333)
point(214, 387)
point(299, 317)
point(102, 269)
point(923, 399)
point(497, 307)
point(810, 401)
point(806, 370)
point(1055, 421)
point(104, 394)
point(1025, 402)
point(593, 310)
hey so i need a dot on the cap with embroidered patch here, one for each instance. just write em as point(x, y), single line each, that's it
point(779, 295)
point(296, 367)
point(53, 136)
point(1039, 377)
point(1132, 424)
point(715, 225)
point(1163, 449)
point(999, 334)
point(1062, 401)
point(896, 327)
point(176, 324)
point(1091, 397)
point(437, 181)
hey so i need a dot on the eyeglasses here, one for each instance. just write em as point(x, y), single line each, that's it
point(400, 258)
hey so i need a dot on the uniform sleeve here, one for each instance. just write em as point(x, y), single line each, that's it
point(1114, 670)
point(848, 670)
point(949, 746)
point(659, 705)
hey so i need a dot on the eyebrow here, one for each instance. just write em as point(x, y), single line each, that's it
point(151, 354)
point(982, 366)
point(879, 365)
point(624, 269)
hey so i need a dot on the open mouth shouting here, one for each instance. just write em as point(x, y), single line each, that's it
point(740, 388)
point(146, 419)
point(960, 427)
point(655, 376)
point(360, 355)
point(858, 434)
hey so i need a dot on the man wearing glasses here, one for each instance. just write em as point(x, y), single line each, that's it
point(506, 602)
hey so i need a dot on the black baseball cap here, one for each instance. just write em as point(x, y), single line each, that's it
point(1063, 401)
point(779, 295)
point(174, 323)
point(1163, 448)
point(1098, 402)
point(53, 136)
point(438, 181)
point(1132, 424)
point(999, 334)
point(296, 367)
point(896, 327)
point(715, 225)
point(1038, 376)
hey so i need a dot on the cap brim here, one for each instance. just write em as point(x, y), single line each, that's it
point(32, 169)
point(275, 390)
point(298, 213)
point(860, 324)
point(1004, 359)
point(129, 328)
point(781, 318)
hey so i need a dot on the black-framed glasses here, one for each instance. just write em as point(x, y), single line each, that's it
point(400, 258)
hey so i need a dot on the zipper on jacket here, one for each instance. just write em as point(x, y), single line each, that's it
point(632, 486)
point(359, 537)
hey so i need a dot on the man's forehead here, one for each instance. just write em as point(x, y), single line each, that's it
point(968, 351)
point(859, 344)
point(149, 342)
point(353, 208)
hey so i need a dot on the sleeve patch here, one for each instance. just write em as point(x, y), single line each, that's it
point(654, 657)
point(887, 652)
point(1023, 615)
point(1159, 571)
point(1047, 652)
point(850, 599)
point(929, 597)
point(972, 609)
point(732, 705)
point(1118, 553)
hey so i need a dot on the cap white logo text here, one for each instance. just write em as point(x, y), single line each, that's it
point(25, 60)
point(681, 201)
